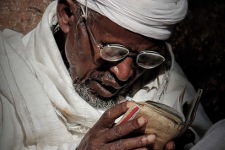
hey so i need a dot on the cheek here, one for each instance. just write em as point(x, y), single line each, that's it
point(70, 50)
point(79, 57)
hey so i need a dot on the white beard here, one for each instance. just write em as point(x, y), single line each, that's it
point(94, 100)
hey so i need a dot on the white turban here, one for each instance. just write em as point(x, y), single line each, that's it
point(151, 18)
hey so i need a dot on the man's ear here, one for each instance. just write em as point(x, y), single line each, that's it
point(65, 16)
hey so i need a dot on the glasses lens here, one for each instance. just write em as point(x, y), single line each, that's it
point(149, 60)
point(113, 52)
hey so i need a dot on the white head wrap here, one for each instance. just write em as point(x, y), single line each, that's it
point(151, 18)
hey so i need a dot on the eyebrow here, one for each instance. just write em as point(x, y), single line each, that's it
point(116, 39)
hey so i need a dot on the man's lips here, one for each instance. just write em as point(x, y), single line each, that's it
point(104, 84)
point(99, 89)
point(104, 89)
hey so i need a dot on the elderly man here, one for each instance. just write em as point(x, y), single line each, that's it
point(83, 58)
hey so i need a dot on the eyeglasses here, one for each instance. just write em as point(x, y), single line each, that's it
point(115, 52)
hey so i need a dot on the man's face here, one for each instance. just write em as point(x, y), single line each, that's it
point(98, 81)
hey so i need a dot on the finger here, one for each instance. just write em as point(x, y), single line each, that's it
point(124, 129)
point(110, 115)
point(132, 143)
point(170, 145)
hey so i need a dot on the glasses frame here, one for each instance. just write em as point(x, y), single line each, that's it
point(138, 54)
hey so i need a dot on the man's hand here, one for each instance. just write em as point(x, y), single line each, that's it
point(106, 136)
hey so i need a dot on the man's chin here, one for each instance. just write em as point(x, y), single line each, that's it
point(95, 100)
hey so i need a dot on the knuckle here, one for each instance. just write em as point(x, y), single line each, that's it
point(109, 136)
point(107, 114)
point(94, 144)
point(140, 142)
point(117, 131)
point(143, 141)
point(125, 105)
point(135, 124)
point(119, 145)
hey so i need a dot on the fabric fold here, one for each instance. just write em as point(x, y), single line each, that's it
point(150, 18)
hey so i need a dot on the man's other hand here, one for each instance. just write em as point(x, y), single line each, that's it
point(105, 135)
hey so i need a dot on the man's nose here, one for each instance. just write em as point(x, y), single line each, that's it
point(124, 69)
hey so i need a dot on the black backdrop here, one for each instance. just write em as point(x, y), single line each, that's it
point(199, 47)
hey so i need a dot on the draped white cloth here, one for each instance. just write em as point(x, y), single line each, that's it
point(39, 108)
point(213, 139)
point(151, 18)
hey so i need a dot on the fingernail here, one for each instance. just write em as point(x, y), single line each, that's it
point(130, 104)
point(141, 121)
point(151, 137)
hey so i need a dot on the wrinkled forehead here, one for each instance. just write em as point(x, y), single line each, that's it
point(151, 18)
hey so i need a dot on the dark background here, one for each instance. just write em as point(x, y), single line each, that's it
point(199, 47)
point(198, 42)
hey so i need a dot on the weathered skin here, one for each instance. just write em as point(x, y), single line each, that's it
point(83, 49)
point(106, 136)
